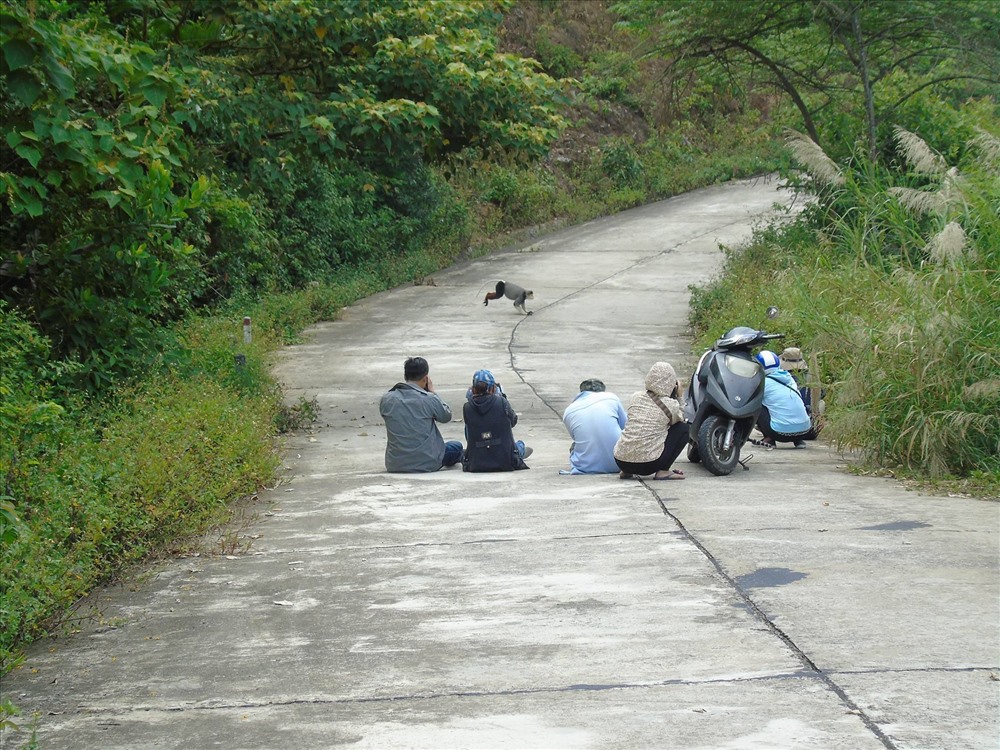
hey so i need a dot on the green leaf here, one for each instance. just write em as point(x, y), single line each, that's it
point(155, 93)
point(112, 197)
point(30, 153)
point(127, 151)
point(24, 86)
point(18, 54)
point(30, 182)
point(60, 76)
point(60, 134)
point(33, 206)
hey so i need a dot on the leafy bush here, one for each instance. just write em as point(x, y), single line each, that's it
point(609, 76)
point(622, 165)
point(238, 242)
point(557, 59)
point(610, 88)
point(30, 418)
point(93, 139)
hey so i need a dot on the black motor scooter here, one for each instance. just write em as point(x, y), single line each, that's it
point(725, 397)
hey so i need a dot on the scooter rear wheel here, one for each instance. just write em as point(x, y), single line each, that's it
point(711, 436)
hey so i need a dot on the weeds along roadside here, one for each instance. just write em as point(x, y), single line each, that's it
point(90, 488)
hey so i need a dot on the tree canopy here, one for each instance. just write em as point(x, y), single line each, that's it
point(829, 56)
point(121, 118)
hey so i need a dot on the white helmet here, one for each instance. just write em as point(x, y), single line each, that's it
point(769, 360)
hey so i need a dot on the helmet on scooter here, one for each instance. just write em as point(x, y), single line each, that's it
point(768, 360)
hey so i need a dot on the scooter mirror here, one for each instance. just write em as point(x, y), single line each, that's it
point(772, 312)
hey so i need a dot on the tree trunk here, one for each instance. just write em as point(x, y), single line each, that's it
point(866, 83)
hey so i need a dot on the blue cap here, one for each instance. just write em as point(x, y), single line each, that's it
point(484, 376)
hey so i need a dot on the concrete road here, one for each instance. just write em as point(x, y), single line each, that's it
point(793, 605)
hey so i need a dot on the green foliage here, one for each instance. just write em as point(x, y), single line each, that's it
point(153, 154)
point(610, 76)
point(621, 165)
point(504, 195)
point(30, 417)
point(92, 137)
point(382, 79)
point(10, 524)
point(235, 233)
point(108, 485)
point(557, 59)
point(848, 68)
point(892, 281)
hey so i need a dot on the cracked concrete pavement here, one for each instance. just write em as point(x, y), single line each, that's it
point(794, 605)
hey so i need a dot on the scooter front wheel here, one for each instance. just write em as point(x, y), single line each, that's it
point(711, 438)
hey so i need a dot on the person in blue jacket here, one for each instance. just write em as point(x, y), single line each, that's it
point(794, 364)
point(783, 417)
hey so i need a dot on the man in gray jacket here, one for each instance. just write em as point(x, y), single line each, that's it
point(411, 411)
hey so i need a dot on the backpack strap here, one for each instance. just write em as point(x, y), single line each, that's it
point(779, 382)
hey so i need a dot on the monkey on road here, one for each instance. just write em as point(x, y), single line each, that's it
point(511, 291)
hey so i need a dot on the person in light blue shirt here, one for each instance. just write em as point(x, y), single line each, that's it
point(783, 418)
point(595, 420)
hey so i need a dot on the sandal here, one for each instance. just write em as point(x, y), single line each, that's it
point(674, 474)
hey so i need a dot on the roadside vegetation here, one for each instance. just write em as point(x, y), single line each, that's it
point(892, 281)
point(169, 169)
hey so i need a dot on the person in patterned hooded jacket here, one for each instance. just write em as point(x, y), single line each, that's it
point(655, 432)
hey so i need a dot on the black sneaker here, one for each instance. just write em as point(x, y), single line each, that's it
point(800, 444)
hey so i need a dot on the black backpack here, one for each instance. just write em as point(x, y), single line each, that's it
point(491, 440)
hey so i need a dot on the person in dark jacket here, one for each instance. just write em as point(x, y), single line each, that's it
point(489, 422)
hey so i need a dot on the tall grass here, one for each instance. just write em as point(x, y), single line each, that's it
point(893, 280)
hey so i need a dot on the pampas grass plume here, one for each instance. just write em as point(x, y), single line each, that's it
point(920, 201)
point(948, 245)
point(918, 154)
point(811, 156)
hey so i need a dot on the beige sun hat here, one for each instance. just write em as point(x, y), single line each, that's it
point(791, 359)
